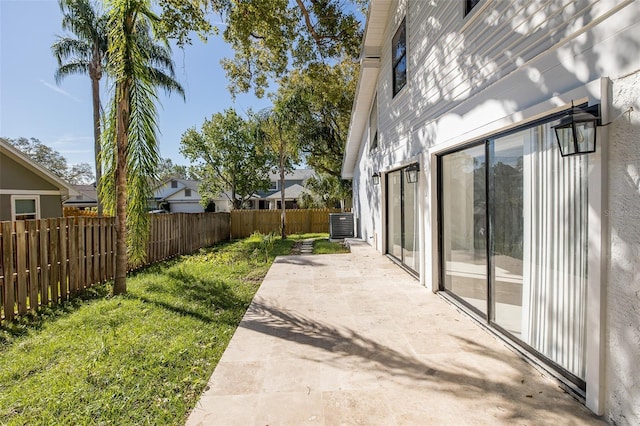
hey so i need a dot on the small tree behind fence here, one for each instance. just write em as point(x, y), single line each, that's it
point(45, 261)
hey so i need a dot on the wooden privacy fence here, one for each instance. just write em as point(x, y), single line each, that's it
point(45, 261)
point(246, 222)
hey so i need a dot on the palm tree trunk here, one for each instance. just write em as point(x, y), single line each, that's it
point(122, 119)
point(95, 91)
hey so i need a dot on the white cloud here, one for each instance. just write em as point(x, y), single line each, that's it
point(59, 90)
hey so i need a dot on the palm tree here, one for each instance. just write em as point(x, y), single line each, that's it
point(139, 64)
point(85, 54)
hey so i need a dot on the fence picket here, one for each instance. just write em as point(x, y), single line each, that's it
point(8, 296)
point(54, 259)
point(63, 234)
point(44, 262)
point(21, 267)
point(34, 282)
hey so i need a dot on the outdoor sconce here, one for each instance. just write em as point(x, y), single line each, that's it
point(375, 178)
point(576, 132)
point(412, 173)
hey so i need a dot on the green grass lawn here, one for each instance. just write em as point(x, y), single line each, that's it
point(141, 358)
point(324, 246)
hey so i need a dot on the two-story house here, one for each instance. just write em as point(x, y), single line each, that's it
point(494, 149)
point(177, 196)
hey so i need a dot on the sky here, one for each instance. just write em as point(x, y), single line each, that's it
point(32, 105)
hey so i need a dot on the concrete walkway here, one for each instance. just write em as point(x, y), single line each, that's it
point(351, 339)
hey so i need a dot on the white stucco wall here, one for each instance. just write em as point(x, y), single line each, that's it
point(623, 289)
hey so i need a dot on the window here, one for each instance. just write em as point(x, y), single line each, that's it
point(373, 125)
point(25, 208)
point(399, 61)
point(468, 5)
point(273, 185)
point(187, 192)
point(174, 184)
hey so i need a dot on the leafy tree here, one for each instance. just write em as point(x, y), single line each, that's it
point(270, 36)
point(228, 157)
point(139, 64)
point(80, 174)
point(168, 170)
point(278, 134)
point(53, 161)
point(323, 111)
point(84, 54)
point(325, 192)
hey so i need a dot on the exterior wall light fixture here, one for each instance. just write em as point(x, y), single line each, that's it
point(376, 178)
point(412, 173)
point(576, 132)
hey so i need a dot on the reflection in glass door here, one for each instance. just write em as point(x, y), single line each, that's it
point(464, 226)
point(402, 219)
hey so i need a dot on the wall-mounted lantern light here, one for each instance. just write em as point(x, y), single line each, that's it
point(375, 178)
point(412, 173)
point(576, 132)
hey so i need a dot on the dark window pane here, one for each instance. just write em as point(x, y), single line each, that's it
point(469, 4)
point(399, 60)
point(400, 75)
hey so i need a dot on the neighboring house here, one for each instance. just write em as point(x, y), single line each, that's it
point(291, 195)
point(28, 190)
point(223, 202)
point(293, 187)
point(87, 197)
point(457, 175)
point(178, 196)
point(270, 199)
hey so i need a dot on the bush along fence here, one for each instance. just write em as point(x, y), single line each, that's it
point(246, 222)
point(45, 261)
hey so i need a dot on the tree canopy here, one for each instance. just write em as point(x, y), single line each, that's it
point(229, 158)
point(270, 37)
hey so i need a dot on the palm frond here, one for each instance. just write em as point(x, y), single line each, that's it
point(71, 68)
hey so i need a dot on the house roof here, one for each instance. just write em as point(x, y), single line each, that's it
point(297, 174)
point(87, 196)
point(293, 191)
point(370, 53)
point(21, 158)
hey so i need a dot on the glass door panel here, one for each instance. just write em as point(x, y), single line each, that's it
point(507, 225)
point(410, 216)
point(464, 225)
point(394, 214)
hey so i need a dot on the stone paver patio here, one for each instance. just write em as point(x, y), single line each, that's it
point(353, 339)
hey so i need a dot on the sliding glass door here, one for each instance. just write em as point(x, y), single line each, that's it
point(513, 226)
point(402, 219)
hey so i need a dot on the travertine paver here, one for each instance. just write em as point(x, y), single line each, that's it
point(352, 339)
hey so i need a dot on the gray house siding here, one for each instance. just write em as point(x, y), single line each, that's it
point(16, 176)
